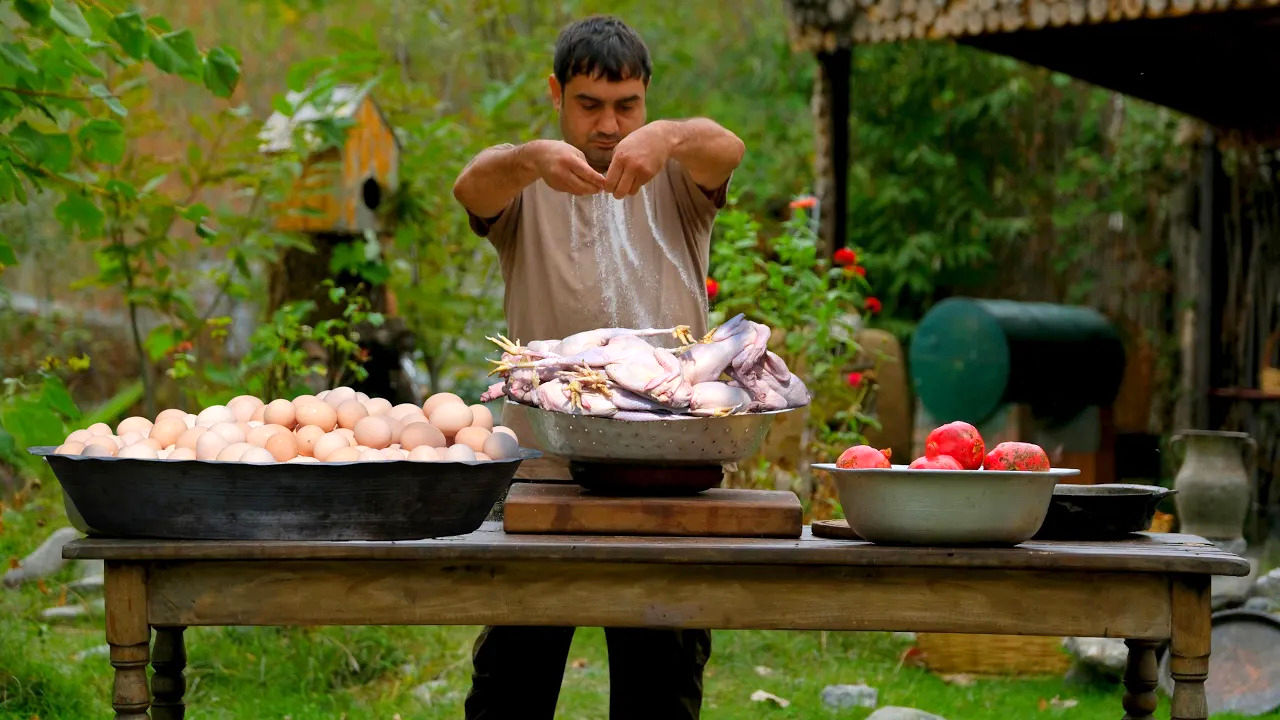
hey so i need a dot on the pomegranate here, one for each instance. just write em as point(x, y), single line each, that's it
point(958, 439)
point(1016, 456)
point(864, 456)
point(937, 462)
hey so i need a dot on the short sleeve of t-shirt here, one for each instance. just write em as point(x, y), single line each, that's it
point(697, 207)
point(501, 229)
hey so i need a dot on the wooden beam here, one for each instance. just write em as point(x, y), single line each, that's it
point(831, 108)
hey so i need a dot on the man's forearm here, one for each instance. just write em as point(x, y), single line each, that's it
point(495, 177)
point(706, 149)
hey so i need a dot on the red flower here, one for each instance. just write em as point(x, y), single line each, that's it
point(713, 289)
point(872, 304)
point(803, 203)
point(854, 379)
point(860, 270)
point(845, 256)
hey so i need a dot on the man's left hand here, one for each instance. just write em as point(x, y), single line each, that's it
point(636, 159)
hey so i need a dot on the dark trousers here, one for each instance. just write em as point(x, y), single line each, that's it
point(653, 674)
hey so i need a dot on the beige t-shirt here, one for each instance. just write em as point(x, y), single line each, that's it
point(574, 263)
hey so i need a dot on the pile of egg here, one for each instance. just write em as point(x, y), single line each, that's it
point(337, 425)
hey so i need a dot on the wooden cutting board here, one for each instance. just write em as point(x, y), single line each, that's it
point(724, 512)
point(834, 530)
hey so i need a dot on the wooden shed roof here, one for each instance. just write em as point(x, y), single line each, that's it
point(1218, 60)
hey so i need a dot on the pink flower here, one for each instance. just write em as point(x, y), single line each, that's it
point(854, 379)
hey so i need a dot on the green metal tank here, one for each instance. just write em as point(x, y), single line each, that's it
point(968, 357)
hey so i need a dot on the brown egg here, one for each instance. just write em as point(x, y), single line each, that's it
point(209, 445)
point(259, 414)
point(233, 452)
point(243, 407)
point(327, 444)
point(152, 443)
point(230, 432)
point(424, 453)
point(318, 414)
point(307, 435)
point(304, 398)
point(215, 414)
point(350, 413)
point(343, 454)
point(174, 413)
point(349, 434)
point(136, 424)
point(181, 453)
point(140, 451)
point(450, 417)
point(131, 438)
point(399, 411)
point(371, 455)
point(168, 430)
point(378, 406)
point(279, 412)
point(257, 455)
point(116, 439)
point(190, 436)
point(100, 447)
point(69, 448)
point(282, 446)
point(258, 436)
point(439, 399)
point(374, 432)
point(80, 436)
point(416, 435)
point(481, 417)
point(101, 429)
point(459, 453)
point(501, 446)
point(506, 431)
point(339, 395)
point(472, 437)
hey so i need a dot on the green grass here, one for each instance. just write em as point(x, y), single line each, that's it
point(370, 672)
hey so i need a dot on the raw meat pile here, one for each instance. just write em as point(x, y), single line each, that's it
point(616, 372)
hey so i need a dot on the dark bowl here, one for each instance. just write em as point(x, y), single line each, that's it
point(1100, 512)
point(206, 500)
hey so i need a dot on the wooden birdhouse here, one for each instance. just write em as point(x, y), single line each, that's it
point(340, 189)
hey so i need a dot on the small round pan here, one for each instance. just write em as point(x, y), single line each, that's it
point(1100, 512)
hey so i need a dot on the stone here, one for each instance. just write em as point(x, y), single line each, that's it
point(1105, 655)
point(44, 560)
point(1268, 586)
point(86, 585)
point(1262, 604)
point(847, 696)
point(72, 612)
point(93, 652)
point(906, 636)
point(894, 712)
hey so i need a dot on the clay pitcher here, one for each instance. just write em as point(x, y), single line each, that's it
point(1214, 488)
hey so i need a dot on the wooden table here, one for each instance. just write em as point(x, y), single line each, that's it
point(1146, 590)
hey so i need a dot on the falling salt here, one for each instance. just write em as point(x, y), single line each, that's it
point(661, 239)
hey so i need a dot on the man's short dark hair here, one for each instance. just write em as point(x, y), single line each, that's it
point(601, 46)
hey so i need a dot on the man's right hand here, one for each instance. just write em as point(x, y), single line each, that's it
point(565, 168)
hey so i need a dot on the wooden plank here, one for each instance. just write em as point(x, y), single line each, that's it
point(546, 508)
point(1150, 552)
point(627, 595)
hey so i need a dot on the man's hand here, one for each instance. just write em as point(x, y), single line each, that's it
point(636, 159)
point(565, 168)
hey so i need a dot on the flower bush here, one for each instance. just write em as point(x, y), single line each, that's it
point(814, 308)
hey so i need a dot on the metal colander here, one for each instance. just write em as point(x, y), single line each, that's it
point(679, 440)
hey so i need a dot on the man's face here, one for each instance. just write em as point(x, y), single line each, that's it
point(595, 114)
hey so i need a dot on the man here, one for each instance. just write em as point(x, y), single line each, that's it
point(610, 227)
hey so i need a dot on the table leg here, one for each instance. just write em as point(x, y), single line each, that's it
point(128, 636)
point(1189, 647)
point(1141, 675)
point(168, 659)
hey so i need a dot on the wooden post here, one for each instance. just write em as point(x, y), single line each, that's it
point(168, 659)
point(1189, 646)
point(831, 110)
point(1140, 680)
point(1204, 320)
point(127, 635)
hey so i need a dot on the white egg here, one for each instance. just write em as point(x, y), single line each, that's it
point(214, 415)
point(459, 453)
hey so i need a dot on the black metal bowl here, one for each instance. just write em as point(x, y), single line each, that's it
point(207, 500)
point(1100, 512)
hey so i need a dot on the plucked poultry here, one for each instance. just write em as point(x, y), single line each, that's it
point(619, 373)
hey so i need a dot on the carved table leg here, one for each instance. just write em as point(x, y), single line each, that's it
point(1140, 679)
point(1189, 647)
point(128, 634)
point(168, 659)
